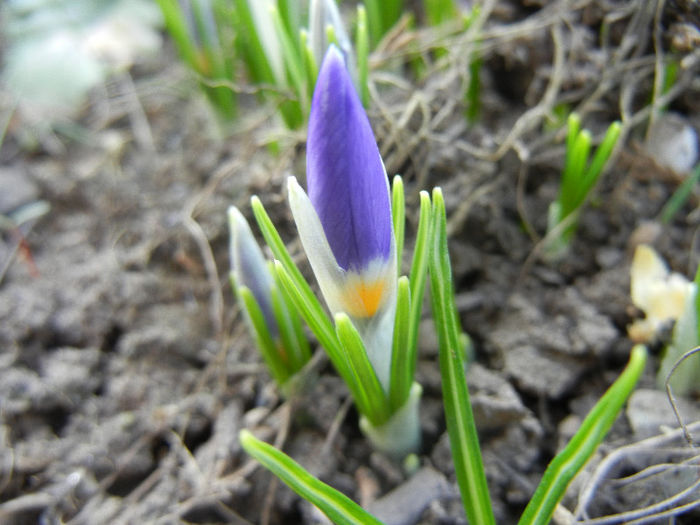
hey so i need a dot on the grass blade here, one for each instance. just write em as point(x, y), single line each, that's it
point(250, 46)
point(375, 25)
point(572, 184)
point(601, 156)
point(398, 211)
point(418, 277)
point(439, 11)
point(177, 27)
point(464, 440)
point(337, 506)
point(680, 196)
point(293, 58)
point(569, 461)
point(274, 241)
point(401, 372)
point(362, 49)
point(268, 347)
point(324, 331)
point(294, 343)
point(376, 407)
point(315, 317)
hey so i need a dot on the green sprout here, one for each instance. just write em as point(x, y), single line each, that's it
point(440, 11)
point(381, 17)
point(267, 39)
point(388, 416)
point(581, 172)
point(271, 317)
point(202, 39)
point(680, 196)
point(464, 441)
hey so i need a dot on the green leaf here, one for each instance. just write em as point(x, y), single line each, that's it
point(250, 46)
point(573, 195)
point(573, 127)
point(290, 13)
point(177, 27)
point(274, 241)
point(298, 292)
point(315, 317)
point(569, 461)
point(294, 343)
point(578, 179)
point(398, 211)
point(376, 406)
point(439, 11)
point(418, 278)
point(324, 331)
point(401, 371)
point(375, 25)
point(680, 196)
point(464, 440)
point(293, 60)
point(269, 348)
point(310, 65)
point(391, 12)
point(601, 157)
point(362, 50)
point(472, 95)
point(338, 507)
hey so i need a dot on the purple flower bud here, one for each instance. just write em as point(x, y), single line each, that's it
point(346, 179)
point(249, 266)
point(345, 221)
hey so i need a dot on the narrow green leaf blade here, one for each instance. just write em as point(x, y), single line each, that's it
point(680, 196)
point(376, 406)
point(296, 348)
point(398, 211)
point(324, 331)
point(401, 371)
point(573, 127)
point(572, 189)
point(250, 46)
point(293, 58)
point(311, 311)
point(274, 241)
point(391, 12)
point(375, 23)
point(601, 156)
point(569, 461)
point(362, 49)
point(177, 27)
point(268, 347)
point(337, 506)
point(310, 65)
point(439, 11)
point(464, 440)
point(418, 278)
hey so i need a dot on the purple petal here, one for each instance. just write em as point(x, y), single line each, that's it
point(346, 180)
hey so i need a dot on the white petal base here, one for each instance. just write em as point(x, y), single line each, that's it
point(400, 435)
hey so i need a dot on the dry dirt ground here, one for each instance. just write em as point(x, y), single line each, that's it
point(126, 371)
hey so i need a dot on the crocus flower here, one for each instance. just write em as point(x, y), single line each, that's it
point(345, 222)
point(249, 266)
